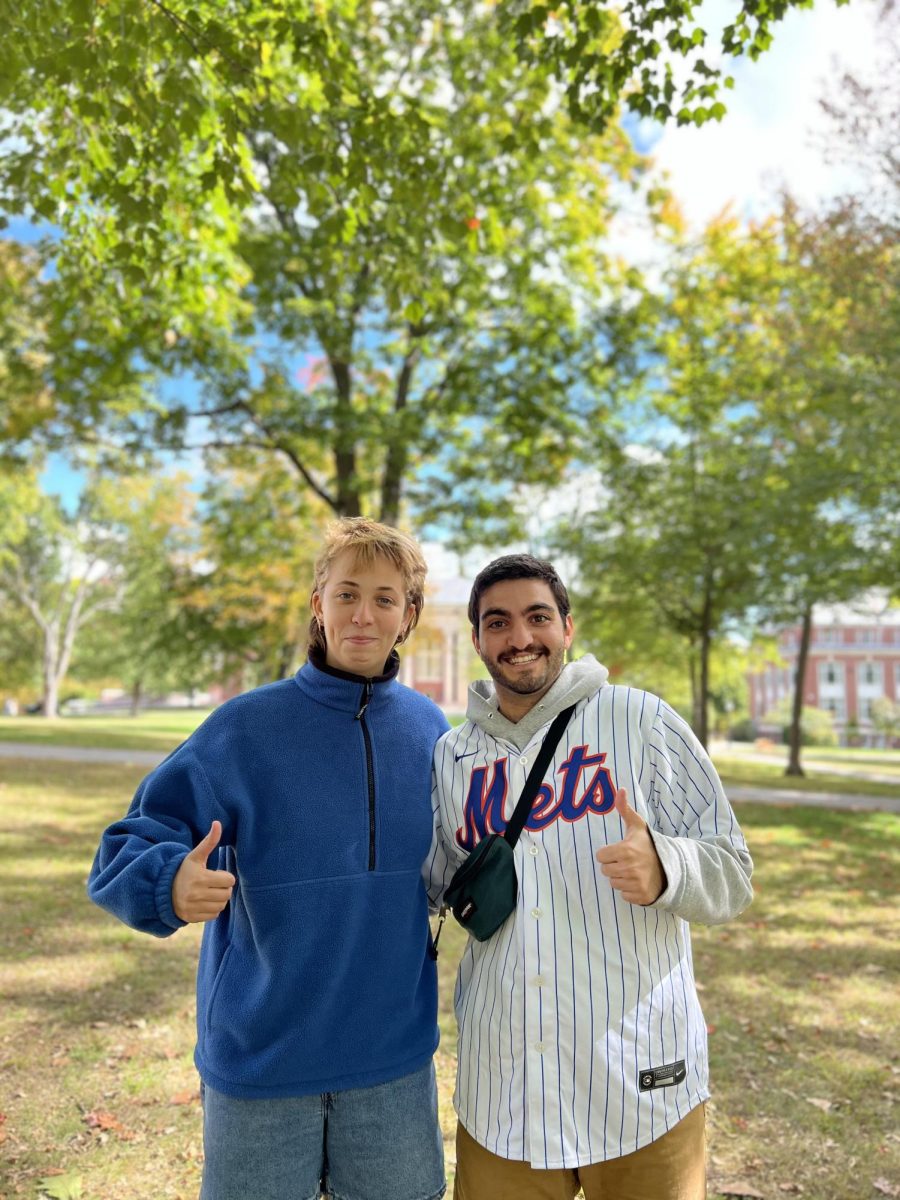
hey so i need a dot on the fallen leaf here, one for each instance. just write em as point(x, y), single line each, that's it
point(794, 1188)
point(102, 1120)
point(825, 1105)
point(185, 1097)
point(740, 1189)
point(886, 1187)
point(62, 1187)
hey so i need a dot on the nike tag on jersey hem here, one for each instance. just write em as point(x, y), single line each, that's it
point(660, 1077)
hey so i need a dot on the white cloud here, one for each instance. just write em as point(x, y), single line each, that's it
point(768, 137)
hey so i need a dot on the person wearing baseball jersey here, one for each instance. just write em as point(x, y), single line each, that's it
point(582, 1059)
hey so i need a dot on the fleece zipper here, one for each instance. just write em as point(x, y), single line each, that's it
point(370, 767)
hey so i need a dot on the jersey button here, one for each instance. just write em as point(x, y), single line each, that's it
point(540, 1047)
point(539, 981)
point(533, 851)
point(536, 912)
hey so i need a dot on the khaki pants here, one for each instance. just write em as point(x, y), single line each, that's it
point(671, 1168)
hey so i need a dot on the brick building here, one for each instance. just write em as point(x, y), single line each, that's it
point(854, 658)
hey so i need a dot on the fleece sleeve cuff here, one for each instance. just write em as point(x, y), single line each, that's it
point(163, 892)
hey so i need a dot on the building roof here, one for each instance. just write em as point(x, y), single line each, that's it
point(871, 608)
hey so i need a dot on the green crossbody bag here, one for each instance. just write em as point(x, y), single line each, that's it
point(484, 890)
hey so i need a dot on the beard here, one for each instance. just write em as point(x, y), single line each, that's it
point(538, 677)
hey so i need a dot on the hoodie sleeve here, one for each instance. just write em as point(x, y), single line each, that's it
point(138, 857)
point(695, 832)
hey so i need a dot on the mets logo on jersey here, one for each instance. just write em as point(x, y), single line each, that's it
point(485, 803)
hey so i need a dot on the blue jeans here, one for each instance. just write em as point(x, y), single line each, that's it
point(374, 1143)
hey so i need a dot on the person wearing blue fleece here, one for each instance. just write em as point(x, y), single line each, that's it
point(295, 822)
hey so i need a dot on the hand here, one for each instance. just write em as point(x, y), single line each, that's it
point(632, 866)
point(199, 894)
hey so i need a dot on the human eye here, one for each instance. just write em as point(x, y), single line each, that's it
point(541, 618)
point(387, 601)
point(497, 623)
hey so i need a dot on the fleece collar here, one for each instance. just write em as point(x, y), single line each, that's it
point(342, 689)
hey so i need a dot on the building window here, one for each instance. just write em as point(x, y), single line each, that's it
point(831, 675)
point(870, 674)
point(836, 708)
point(867, 637)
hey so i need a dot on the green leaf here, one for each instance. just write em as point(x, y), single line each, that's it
point(99, 154)
point(62, 1187)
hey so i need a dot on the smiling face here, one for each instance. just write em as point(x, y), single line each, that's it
point(362, 611)
point(522, 640)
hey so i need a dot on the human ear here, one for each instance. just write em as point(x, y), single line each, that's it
point(315, 603)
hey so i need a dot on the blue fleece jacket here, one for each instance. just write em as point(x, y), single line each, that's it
point(318, 975)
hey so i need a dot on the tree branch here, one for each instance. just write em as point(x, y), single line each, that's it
point(19, 585)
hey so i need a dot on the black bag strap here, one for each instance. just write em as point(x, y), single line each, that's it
point(536, 775)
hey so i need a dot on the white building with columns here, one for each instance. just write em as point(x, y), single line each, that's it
point(439, 658)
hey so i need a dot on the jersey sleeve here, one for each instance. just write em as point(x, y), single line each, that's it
point(138, 857)
point(696, 834)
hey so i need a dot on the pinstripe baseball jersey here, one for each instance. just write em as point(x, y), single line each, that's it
point(581, 1036)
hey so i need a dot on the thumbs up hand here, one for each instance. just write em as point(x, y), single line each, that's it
point(197, 893)
point(632, 866)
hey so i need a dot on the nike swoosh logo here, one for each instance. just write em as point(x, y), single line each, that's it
point(471, 754)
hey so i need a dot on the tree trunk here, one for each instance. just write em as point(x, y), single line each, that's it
point(398, 450)
point(136, 693)
point(793, 767)
point(702, 728)
point(286, 656)
point(50, 699)
point(700, 671)
point(348, 497)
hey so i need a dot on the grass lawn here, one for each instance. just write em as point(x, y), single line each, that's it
point(160, 729)
point(100, 1097)
point(770, 775)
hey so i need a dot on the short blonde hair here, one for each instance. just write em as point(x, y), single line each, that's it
point(370, 540)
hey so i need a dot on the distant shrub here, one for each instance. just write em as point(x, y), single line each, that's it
point(743, 731)
point(816, 728)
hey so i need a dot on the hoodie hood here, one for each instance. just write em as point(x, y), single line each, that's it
point(576, 681)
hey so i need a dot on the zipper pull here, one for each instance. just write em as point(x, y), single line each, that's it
point(366, 697)
point(442, 913)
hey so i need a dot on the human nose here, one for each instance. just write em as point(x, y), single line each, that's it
point(362, 614)
point(519, 635)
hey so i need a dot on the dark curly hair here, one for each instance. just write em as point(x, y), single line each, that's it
point(517, 566)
